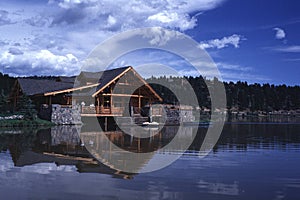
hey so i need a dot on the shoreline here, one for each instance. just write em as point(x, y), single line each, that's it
point(20, 123)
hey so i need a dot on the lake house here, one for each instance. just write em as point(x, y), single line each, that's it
point(107, 93)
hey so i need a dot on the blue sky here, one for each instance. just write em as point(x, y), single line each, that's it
point(249, 40)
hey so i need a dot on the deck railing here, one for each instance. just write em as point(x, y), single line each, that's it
point(101, 110)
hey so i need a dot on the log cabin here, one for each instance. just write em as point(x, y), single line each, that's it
point(106, 93)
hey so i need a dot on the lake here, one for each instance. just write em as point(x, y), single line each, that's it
point(252, 160)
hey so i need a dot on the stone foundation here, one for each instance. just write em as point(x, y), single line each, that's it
point(177, 116)
point(174, 115)
point(61, 115)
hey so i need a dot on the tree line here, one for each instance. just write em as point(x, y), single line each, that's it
point(25, 106)
point(241, 96)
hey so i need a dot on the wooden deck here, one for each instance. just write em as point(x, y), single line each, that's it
point(90, 111)
point(100, 115)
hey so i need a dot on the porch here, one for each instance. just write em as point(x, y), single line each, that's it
point(90, 111)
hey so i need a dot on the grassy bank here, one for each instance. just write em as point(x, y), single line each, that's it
point(24, 123)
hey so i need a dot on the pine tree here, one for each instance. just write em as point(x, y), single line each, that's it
point(3, 103)
point(26, 108)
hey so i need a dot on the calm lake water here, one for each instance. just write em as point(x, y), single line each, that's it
point(252, 160)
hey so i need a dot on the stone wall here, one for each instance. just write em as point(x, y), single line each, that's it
point(65, 115)
point(61, 115)
point(173, 115)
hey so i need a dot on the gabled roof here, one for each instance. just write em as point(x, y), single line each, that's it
point(97, 82)
point(91, 76)
point(108, 78)
point(40, 86)
point(102, 77)
point(111, 75)
point(66, 79)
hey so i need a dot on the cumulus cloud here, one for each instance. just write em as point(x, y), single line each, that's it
point(233, 40)
point(183, 22)
point(160, 37)
point(4, 19)
point(49, 32)
point(38, 21)
point(70, 16)
point(15, 51)
point(132, 13)
point(67, 4)
point(41, 62)
point(280, 33)
point(3, 43)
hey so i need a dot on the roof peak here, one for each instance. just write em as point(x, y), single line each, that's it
point(126, 67)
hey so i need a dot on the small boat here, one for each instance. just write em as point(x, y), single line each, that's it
point(150, 124)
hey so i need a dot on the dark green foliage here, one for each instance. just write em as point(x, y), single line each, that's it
point(26, 108)
point(3, 103)
point(240, 95)
point(6, 83)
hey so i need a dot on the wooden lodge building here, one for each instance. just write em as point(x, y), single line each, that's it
point(105, 93)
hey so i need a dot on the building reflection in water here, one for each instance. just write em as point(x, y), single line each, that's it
point(126, 152)
point(63, 146)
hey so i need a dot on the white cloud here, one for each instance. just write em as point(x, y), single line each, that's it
point(280, 34)
point(288, 49)
point(160, 37)
point(111, 20)
point(38, 21)
point(133, 14)
point(173, 20)
point(67, 4)
point(3, 43)
point(233, 67)
point(237, 72)
point(41, 62)
point(233, 40)
point(15, 51)
point(238, 76)
point(74, 27)
point(4, 18)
